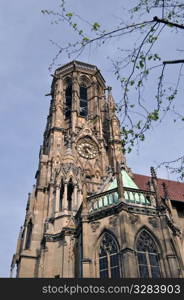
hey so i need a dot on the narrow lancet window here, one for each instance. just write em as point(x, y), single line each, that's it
point(68, 100)
point(61, 195)
point(28, 235)
point(83, 101)
point(70, 189)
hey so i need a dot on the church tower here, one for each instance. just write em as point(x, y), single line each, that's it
point(81, 147)
point(88, 215)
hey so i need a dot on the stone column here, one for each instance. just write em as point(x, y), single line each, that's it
point(129, 263)
point(79, 198)
point(128, 255)
point(120, 182)
point(51, 206)
point(174, 265)
point(68, 256)
point(86, 261)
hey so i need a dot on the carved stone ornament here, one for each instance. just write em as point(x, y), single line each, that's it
point(113, 220)
point(133, 218)
point(67, 167)
point(153, 221)
point(176, 231)
point(95, 226)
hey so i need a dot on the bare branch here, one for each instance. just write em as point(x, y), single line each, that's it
point(178, 61)
point(156, 19)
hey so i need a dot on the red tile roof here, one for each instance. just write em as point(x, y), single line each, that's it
point(175, 189)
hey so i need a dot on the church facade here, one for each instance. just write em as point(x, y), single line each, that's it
point(88, 215)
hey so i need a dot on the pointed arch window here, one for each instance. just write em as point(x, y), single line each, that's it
point(83, 101)
point(28, 235)
point(109, 264)
point(68, 99)
point(70, 189)
point(147, 256)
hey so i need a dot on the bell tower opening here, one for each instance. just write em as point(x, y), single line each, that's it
point(68, 99)
point(83, 101)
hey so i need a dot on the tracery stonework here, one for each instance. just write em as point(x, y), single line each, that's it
point(88, 215)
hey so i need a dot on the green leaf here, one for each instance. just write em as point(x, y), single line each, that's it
point(141, 63)
point(132, 82)
point(95, 26)
point(146, 72)
point(69, 15)
point(129, 149)
point(139, 83)
point(142, 137)
point(154, 115)
point(85, 39)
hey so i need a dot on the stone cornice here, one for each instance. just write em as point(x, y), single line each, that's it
point(118, 208)
point(58, 236)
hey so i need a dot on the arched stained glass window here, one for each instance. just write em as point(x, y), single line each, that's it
point(83, 101)
point(109, 257)
point(147, 255)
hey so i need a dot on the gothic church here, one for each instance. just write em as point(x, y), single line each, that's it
point(88, 215)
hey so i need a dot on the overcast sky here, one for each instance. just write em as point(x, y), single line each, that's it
point(24, 77)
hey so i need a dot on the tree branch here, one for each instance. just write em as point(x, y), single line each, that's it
point(117, 30)
point(156, 19)
point(178, 61)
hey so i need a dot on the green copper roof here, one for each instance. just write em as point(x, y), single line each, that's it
point(113, 198)
point(127, 182)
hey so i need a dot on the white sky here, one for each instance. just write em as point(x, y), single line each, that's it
point(25, 56)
